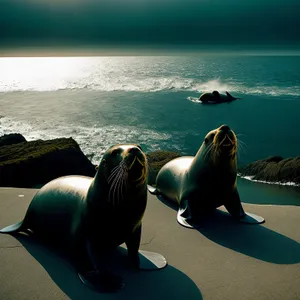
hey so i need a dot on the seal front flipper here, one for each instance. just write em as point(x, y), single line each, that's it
point(102, 281)
point(250, 218)
point(234, 207)
point(93, 275)
point(143, 260)
point(184, 215)
point(133, 243)
point(152, 190)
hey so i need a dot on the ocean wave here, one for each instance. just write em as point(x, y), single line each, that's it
point(250, 178)
point(131, 74)
point(151, 84)
point(110, 82)
point(93, 141)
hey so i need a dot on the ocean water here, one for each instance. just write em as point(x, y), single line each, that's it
point(101, 101)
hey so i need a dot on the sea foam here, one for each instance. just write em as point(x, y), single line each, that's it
point(93, 141)
point(250, 178)
point(118, 74)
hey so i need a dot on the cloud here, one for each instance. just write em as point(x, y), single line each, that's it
point(168, 22)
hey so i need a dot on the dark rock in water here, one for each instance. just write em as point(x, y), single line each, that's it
point(10, 139)
point(274, 169)
point(157, 159)
point(29, 164)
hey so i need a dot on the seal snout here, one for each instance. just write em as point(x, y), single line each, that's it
point(226, 138)
point(134, 158)
point(225, 128)
point(136, 164)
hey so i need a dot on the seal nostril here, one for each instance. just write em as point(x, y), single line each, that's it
point(225, 128)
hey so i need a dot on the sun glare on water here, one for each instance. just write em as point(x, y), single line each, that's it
point(40, 73)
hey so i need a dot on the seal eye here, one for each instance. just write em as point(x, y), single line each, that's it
point(210, 137)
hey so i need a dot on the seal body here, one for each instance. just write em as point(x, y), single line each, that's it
point(88, 217)
point(202, 183)
point(216, 98)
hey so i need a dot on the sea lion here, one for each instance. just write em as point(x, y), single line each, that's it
point(88, 217)
point(202, 183)
point(216, 98)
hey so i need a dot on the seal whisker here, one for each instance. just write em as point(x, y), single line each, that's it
point(116, 184)
point(113, 184)
point(242, 145)
point(123, 175)
point(116, 188)
point(208, 150)
point(241, 142)
point(123, 184)
point(114, 172)
point(119, 192)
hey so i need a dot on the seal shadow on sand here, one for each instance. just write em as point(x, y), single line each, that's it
point(158, 284)
point(252, 240)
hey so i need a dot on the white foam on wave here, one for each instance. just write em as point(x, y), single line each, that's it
point(194, 99)
point(93, 141)
point(272, 91)
point(214, 84)
point(250, 178)
point(114, 74)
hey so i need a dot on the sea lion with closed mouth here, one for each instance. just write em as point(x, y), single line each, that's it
point(89, 217)
point(202, 183)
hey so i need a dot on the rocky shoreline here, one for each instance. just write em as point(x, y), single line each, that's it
point(34, 163)
point(274, 169)
point(31, 164)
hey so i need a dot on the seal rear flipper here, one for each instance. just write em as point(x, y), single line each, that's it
point(152, 190)
point(12, 228)
point(231, 97)
point(184, 216)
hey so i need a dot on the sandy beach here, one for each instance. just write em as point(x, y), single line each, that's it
point(223, 260)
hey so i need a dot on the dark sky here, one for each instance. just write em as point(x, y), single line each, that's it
point(162, 23)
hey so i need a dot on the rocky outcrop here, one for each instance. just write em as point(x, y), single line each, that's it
point(12, 138)
point(28, 164)
point(274, 169)
point(157, 159)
